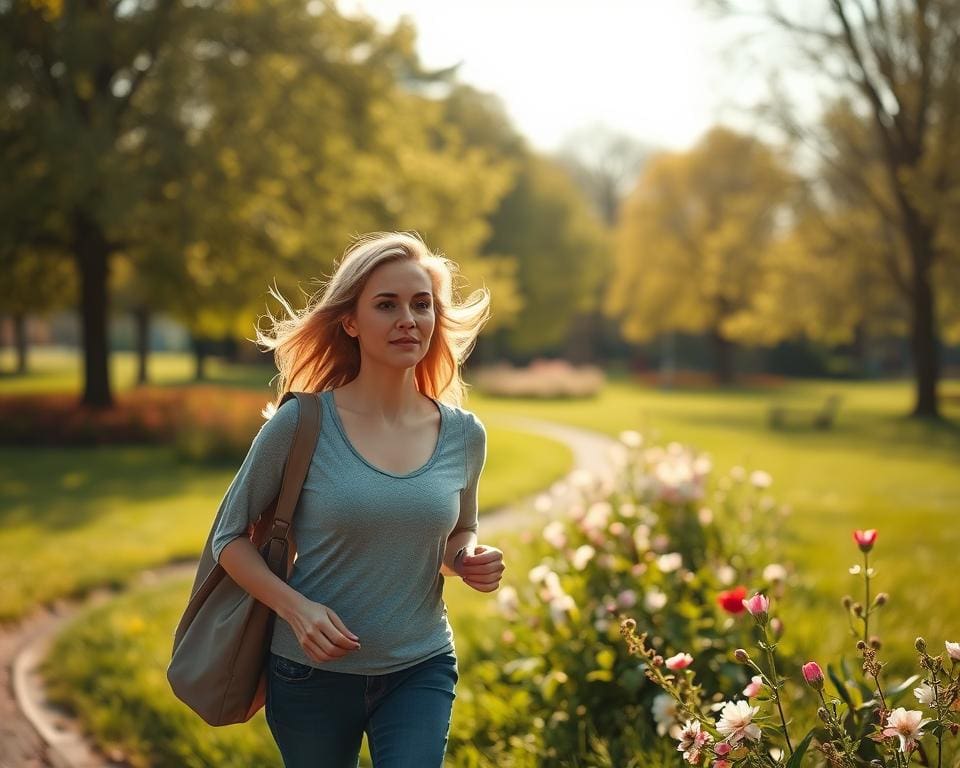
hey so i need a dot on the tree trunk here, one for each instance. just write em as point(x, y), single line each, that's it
point(924, 347)
point(92, 253)
point(20, 342)
point(200, 359)
point(141, 317)
point(723, 357)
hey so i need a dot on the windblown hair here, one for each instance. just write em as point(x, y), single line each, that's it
point(313, 352)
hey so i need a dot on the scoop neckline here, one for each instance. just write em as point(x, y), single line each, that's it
point(332, 407)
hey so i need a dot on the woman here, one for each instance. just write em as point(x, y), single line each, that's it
point(388, 508)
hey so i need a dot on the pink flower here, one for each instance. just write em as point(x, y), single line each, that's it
point(732, 600)
point(813, 675)
point(906, 725)
point(865, 539)
point(953, 650)
point(757, 606)
point(754, 686)
point(721, 763)
point(722, 749)
point(692, 741)
point(679, 662)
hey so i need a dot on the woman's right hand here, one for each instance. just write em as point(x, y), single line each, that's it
point(321, 633)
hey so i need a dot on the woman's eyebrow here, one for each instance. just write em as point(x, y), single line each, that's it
point(395, 295)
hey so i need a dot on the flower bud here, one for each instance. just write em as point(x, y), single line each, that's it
point(920, 644)
point(847, 601)
point(741, 655)
point(861, 646)
point(954, 728)
point(881, 599)
point(857, 609)
point(865, 539)
point(776, 626)
point(823, 714)
point(813, 675)
point(658, 660)
point(757, 606)
point(875, 643)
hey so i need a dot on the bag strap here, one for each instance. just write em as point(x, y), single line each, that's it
point(298, 461)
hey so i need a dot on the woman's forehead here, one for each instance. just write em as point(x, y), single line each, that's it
point(399, 277)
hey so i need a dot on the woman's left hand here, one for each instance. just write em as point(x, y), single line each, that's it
point(482, 569)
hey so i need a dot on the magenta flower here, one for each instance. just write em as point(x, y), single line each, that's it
point(722, 749)
point(679, 662)
point(813, 675)
point(865, 539)
point(757, 606)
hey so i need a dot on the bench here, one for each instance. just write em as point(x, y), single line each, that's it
point(822, 418)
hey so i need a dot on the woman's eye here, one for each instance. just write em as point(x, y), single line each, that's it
point(385, 304)
point(424, 305)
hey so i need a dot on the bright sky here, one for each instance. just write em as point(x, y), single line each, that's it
point(651, 68)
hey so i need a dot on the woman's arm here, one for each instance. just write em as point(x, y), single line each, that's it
point(244, 564)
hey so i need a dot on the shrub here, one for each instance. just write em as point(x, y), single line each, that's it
point(649, 538)
point(542, 378)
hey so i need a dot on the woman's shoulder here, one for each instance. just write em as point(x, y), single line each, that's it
point(473, 430)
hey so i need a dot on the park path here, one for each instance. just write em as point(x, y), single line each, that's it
point(36, 734)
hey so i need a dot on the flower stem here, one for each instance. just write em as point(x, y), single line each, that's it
point(775, 685)
point(866, 600)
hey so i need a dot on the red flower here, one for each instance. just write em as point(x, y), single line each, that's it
point(732, 600)
point(865, 539)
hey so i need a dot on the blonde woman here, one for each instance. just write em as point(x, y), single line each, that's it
point(388, 509)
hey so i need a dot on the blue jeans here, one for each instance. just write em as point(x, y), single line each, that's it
point(318, 717)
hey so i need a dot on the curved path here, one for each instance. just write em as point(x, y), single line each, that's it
point(36, 734)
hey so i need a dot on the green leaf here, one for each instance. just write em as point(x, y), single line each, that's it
point(840, 686)
point(797, 757)
point(893, 693)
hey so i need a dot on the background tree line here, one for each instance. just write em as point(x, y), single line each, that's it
point(172, 157)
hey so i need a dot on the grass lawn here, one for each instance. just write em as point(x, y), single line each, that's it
point(874, 469)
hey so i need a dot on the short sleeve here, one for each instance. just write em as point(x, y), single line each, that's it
point(258, 480)
point(475, 457)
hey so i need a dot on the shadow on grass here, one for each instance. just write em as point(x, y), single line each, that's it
point(61, 489)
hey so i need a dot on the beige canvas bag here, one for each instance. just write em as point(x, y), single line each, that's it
point(221, 644)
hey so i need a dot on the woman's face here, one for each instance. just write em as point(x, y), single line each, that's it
point(396, 303)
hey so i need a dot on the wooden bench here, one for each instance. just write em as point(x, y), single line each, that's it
point(780, 415)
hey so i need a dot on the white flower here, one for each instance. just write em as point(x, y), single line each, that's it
point(539, 573)
point(560, 606)
point(543, 503)
point(627, 599)
point(555, 534)
point(665, 715)
point(631, 438)
point(924, 694)
point(582, 556)
point(953, 650)
point(736, 722)
point(906, 725)
point(760, 479)
point(738, 473)
point(508, 601)
point(669, 562)
point(726, 575)
point(654, 600)
point(774, 573)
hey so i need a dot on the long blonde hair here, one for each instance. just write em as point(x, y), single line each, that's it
point(313, 352)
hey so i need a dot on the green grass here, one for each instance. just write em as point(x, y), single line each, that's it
point(875, 468)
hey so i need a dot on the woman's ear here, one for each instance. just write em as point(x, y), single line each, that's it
point(348, 327)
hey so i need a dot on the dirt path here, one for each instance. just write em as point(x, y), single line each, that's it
point(36, 734)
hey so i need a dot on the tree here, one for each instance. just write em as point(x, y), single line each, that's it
point(899, 65)
point(694, 242)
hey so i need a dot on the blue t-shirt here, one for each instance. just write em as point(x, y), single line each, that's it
point(370, 543)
